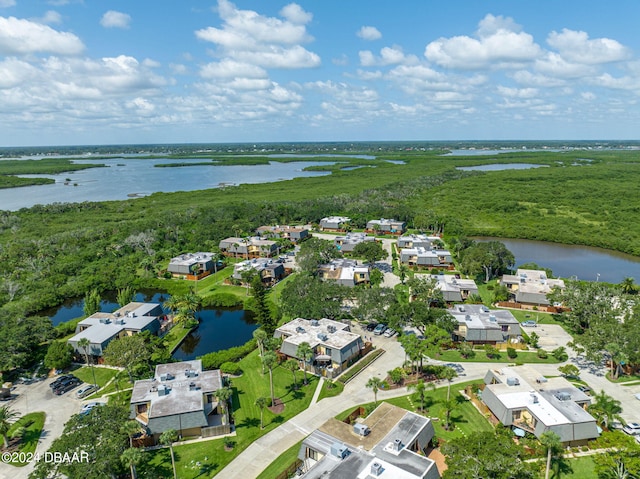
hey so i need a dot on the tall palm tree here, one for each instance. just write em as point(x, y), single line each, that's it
point(421, 388)
point(132, 457)
point(605, 409)
point(168, 438)
point(305, 352)
point(84, 343)
point(270, 361)
point(292, 365)
point(449, 405)
point(374, 383)
point(261, 402)
point(260, 335)
point(7, 418)
point(449, 374)
point(551, 441)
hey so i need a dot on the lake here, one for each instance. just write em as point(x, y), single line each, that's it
point(218, 328)
point(124, 177)
point(585, 262)
point(501, 166)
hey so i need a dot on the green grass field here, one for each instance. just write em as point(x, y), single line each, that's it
point(33, 423)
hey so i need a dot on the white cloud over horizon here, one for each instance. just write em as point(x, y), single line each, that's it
point(113, 19)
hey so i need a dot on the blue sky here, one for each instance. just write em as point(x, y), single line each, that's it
point(182, 71)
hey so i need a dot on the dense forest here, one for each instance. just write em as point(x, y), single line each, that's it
point(57, 251)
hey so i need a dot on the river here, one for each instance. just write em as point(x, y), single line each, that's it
point(584, 262)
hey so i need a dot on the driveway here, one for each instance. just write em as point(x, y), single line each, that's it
point(552, 336)
point(58, 409)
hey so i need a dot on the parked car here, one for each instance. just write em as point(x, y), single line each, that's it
point(371, 326)
point(86, 409)
point(60, 380)
point(632, 428)
point(389, 332)
point(584, 389)
point(66, 386)
point(380, 328)
point(529, 324)
point(85, 390)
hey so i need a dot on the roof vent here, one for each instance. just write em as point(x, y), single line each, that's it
point(322, 337)
point(166, 377)
point(492, 317)
point(513, 382)
point(193, 386)
point(314, 322)
point(397, 444)
point(163, 390)
point(376, 469)
point(534, 398)
point(339, 450)
point(300, 329)
point(331, 329)
point(105, 320)
point(563, 396)
point(361, 429)
point(461, 308)
point(467, 317)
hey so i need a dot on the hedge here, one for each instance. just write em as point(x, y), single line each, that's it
point(216, 359)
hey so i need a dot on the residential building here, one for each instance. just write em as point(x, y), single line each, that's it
point(530, 287)
point(271, 271)
point(454, 289)
point(254, 247)
point(346, 272)
point(426, 257)
point(384, 225)
point(180, 396)
point(348, 242)
point(101, 328)
point(519, 397)
point(478, 324)
point(334, 223)
point(334, 346)
point(418, 241)
point(192, 265)
point(295, 234)
point(390, 443)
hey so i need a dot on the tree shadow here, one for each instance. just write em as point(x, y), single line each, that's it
point(249, 422)
point(276, 420)
point(206, 470)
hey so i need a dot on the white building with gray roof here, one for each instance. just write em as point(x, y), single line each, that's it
point(478, 324)
point(334, 346)
point(333, 223)
point(391, 443)
point(521, 398)
point(426, 257)
point(348, 242)
point(180, 396)
point(346, 272)
point(418, 241)
point(531, 287)
point(101, 328)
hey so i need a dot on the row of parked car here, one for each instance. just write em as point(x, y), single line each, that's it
point(380, 328)
point(67, 382)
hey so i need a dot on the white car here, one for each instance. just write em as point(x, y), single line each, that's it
point(632, 428)
point(86, 409)
point(389, 332)
point(85, 390)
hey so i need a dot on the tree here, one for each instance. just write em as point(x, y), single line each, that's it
point(569, 370)
point(306, 296)
point(449, 374)
point(533, 340)
point(397, 375)
point(261, 402)
point(224, 394)
point(305, 352)
point(59, 355)
point(127, 352)
point(605, 409)
point(491, 258)
point(551, 441)
point(132, 457)
point(21, 337)
point(371, 251)
point(7, 418)
point(627, 286)
point(403, 271)
point(466, 350)
point(314, 252)
point(270, 361)
point(184, 308)
point(125, 296)
point(260, 336)
point(263, 312)
point(374, 383)
point(490, 454)
point(84, 343)
point(91, 302)
point(167, 438)
point(131, 428)
point(421, 388)
point(449, 405)
point(292, 365)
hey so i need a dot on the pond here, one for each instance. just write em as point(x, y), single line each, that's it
point(566, 261)
point(218, 329)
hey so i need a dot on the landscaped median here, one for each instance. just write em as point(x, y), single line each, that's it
point(24, 434)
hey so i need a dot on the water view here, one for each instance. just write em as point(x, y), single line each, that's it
point(566, 261)
point(124, 178)
point(501, 166)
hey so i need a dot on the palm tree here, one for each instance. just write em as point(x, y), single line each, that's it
point(270, 361)
point(551, 441)
point(421, 389)
point(124, 296)
point(261, 402)
point(605, 409)
point(168, 438)
point(131, 428)
point(449, 405)
point(84, 343)
point(305, 352)
point(223, 395)
point(260, 335)
point(7, 418)
point(374, 384)
point(628, 287)
point(402, 272)
point(292, 365)
point(132, 457)
point(449, 374)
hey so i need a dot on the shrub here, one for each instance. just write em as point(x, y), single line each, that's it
point(560, 354)
point(542, 354)
point(216, 359)
point(222, 300)
point(511, 352)
point(231, 368)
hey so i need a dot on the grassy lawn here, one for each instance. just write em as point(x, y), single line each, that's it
point(583, 468)
point(103, 375)
point(209, 457)
point(119, 383)
point(283, 461)
point(33, 422)
point(175, 336)
point(330, 389)
point(453, 355)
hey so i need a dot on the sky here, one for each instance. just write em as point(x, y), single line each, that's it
point(85, 72)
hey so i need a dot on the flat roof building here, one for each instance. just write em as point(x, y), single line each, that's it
point(253, 247)
point(346, 272)
point(418, 241)
point(295, 234)
point(426, 257)
point(384, 225)
point(530, 286)
point(192, 264)
point(333, 223)
point(480, 325)
point(348, 242)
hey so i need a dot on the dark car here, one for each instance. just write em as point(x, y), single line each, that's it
point(60, 380)
point(371, 326)
point(66, 386)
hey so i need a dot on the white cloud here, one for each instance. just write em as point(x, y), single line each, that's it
point(588, 96)
point(342, 60)
point(7, 3)
point(388, 56)
point(576, 47)
point(369, 33)
point(113, 19)
point(178, 68)
point(369, 75)
point(51, 17)
point(517, 92)
point(295, 14)
point(555, 65)
point(232, 69)
point(499, 43)
point(22, 37)
point(527, 78)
